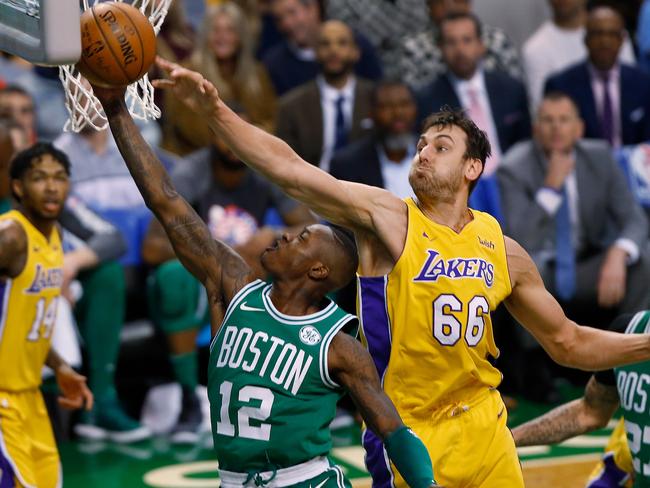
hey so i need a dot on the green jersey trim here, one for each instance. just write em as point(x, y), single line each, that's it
point(325, 345)
point(340, 477)
point(293, 319)
point(234, 303)
point(638, 317)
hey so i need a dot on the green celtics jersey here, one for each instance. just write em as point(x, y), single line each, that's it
point(271, 396)
point(633, 384)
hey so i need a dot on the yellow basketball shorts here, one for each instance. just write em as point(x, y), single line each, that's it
point(470, 445)
point(615, 468)
point(28, 454)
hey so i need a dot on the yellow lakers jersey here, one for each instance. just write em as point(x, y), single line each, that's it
point(427, 323)
point(28, 308)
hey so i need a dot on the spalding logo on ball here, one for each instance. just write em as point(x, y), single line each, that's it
point(118, 44)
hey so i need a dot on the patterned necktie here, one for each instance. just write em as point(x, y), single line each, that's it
point(341, 132)
point(478, 115)
point(607, 114)
point(565, 261)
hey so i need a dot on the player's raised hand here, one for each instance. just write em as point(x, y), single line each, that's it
point(74, 389)
point(189, 86)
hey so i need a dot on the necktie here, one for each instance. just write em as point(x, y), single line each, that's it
point(565, 265)
point(478, 115)
point(341, 133)
point(607, 114)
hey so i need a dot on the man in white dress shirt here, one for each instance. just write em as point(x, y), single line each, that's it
point(559, 43)
point(326, 114)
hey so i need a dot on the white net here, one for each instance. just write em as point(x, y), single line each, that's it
point(84, 108)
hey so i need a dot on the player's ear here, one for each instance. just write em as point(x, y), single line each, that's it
point(17, 188)
point(474, 169)
point(319, 272)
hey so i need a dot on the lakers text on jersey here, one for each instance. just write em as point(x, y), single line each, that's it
point(29, 305)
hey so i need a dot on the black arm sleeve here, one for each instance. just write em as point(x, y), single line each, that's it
point(619, 324)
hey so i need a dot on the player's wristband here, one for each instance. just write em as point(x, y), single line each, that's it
point(410, 457)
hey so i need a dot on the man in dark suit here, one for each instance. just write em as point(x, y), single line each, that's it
point(566, 201)
point(383, 158)
point(324, 115)
point(613, 98)
point(292, 61)
point(559, 172)
point(493, 99)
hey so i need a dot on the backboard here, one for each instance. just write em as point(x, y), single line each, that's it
point(41, 31)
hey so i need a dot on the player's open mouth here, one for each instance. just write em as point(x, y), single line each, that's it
point(51, 205)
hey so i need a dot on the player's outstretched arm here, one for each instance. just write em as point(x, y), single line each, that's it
point(585, 414)
point(221, 270)
point(348, 204)
point(568, 343)
point(351, 365)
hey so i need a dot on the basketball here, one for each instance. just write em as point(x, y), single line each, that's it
point(118, 44)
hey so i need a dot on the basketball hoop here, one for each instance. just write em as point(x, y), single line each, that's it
point(84, 108)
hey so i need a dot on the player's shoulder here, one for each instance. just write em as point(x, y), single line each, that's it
point(13, 239)
point(12, 228)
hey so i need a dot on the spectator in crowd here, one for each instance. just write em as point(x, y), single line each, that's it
point(224, 55)
point(292, 62)
point(467, 85)
point(421, 59)
point(558, 44)
point(98, 175)
point(385, 22)
point(567, 202)
point(324, 115)
point(383, 158)
point(233, 201)
point(17, 104)
point(560, 175)
point(613, 98)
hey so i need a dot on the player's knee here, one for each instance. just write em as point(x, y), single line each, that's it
point(175, 293)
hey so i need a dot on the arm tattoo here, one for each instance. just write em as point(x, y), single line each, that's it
point(557, 425)
point(354, 369)
point(189, 234)
point(168, 189)
point(190, 237)
point(577, 417)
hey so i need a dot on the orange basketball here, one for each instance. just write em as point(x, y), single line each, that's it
point(118, 44)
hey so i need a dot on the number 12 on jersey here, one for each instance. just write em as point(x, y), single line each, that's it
point(447, 329)
point(261, 432)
